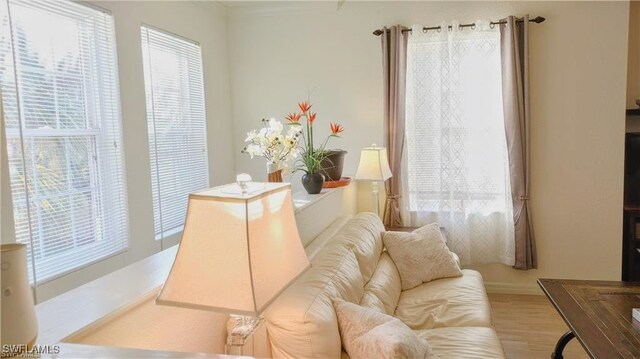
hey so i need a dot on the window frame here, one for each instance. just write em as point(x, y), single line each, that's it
point(100, 130)
point(160, 233)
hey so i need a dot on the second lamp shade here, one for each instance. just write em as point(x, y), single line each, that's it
point(374, 165)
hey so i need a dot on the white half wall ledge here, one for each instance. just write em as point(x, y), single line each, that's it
point(76, 309)
point(314, 213)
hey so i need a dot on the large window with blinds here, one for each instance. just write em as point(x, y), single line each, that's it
point(58, 76)
point(176, 124)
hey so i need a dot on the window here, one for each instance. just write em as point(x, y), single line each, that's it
point(60, 93)
point(457, 156)
point(177, 125)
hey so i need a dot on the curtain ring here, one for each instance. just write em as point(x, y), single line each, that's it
point(492, 25)
point(473, 26)
point(439, 29)
point(424, 30)
point(460, 27)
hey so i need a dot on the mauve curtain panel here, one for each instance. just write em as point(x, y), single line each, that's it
point(515, 92)
point(394, 62)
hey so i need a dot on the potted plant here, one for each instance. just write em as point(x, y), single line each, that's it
point(333, 164)
point(312, 157)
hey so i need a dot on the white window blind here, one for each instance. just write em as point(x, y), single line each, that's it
point(58, 75)
point(177, 125)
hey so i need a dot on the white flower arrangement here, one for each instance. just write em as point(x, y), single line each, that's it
point(269, 142)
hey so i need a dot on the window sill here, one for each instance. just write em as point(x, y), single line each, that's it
point(302, 200)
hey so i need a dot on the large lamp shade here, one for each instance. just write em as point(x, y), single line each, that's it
point(239, 250)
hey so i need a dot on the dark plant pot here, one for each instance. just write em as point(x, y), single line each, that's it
point(313, 182)
point(332, 165)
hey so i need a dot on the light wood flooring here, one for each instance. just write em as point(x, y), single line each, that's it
point(529, 327)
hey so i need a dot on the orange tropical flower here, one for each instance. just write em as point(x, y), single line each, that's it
point(336, 128)
point(293, 117)
point(304, 106)
point(312, 117)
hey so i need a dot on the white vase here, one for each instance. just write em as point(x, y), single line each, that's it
point(274, 172)
point(19, 323)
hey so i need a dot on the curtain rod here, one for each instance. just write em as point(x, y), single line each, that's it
point(537, 20)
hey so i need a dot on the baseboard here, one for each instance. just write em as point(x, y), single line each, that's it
point(512, 288)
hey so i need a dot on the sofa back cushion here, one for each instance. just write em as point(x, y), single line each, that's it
point(302, 323)
point(364, 233)
point(421, 256)
point(382, 292)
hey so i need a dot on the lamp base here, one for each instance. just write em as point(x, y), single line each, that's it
point(239, 335)
point(375, 197)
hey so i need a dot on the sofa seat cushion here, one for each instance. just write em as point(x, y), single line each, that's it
point(367, 333)
point(460, 343)
point(447, 302)
point(463, 343)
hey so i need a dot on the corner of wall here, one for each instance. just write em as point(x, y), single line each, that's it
point(633, 64)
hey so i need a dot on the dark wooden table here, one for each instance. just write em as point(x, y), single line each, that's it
point(599, 315)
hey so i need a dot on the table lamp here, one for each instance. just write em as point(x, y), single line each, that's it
point(19, 323)
point(239, 250)
point(374, 167)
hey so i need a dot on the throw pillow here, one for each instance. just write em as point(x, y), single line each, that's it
point(366, 334)
point(421, 256)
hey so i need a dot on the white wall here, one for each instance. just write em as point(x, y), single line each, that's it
point(633, 66)
point(202, 22)
point(578, 72)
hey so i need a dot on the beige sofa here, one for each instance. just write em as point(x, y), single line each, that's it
point(453, 314)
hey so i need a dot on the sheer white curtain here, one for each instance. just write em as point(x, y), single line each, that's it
point(456, 166)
